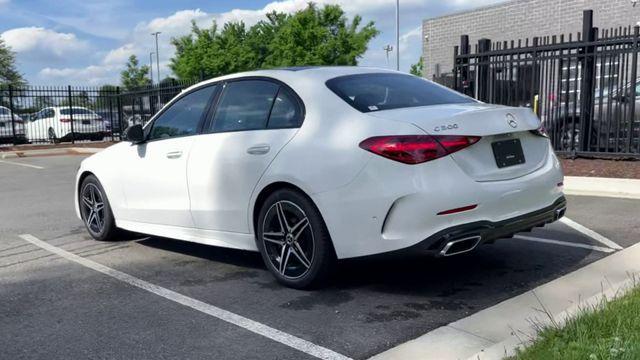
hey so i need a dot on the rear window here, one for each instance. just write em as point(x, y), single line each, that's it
point(379, 91)
point(77, 111)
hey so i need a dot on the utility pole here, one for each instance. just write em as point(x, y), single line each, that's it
point(398, 35)
point(151, 67)
point(157, 54)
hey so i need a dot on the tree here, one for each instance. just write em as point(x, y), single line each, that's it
point(417, 68)
point(311, 36)
point(135, 76)
point(9, 75)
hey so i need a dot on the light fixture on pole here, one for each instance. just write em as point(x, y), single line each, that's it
point(157, 54)
point(387, 49)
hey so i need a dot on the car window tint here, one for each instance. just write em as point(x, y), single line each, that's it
point(286, 112)
point(244, 105)
point(182, 118)
point(381, 91)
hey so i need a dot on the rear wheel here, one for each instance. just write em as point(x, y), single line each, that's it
point(293, 240)
point(96, 211)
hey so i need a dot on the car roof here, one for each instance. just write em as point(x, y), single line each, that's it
point(290, 75)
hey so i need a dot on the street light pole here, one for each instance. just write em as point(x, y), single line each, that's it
point(157, 54)
point(398, 35)
point(151, 66)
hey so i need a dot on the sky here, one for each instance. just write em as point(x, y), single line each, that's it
point(87, 42)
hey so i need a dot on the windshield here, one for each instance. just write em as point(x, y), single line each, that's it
point(381, 91)
point(77, 111)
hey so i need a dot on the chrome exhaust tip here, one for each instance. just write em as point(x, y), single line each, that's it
point(460, 246)
point(560, 213)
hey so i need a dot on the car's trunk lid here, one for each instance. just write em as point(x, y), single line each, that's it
point(501, 128)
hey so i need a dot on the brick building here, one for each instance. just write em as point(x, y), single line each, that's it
point(517, 19)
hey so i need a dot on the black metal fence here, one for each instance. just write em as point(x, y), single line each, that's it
point(46, 114)
point(585, 88)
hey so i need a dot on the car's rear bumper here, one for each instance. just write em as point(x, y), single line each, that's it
point(441, 242)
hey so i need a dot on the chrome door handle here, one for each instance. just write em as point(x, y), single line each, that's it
point(174, 154)
point(258, 149)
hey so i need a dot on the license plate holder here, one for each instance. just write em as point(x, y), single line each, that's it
point(508, 153)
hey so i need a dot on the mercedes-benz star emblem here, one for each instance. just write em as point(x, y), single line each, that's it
point(511, 120)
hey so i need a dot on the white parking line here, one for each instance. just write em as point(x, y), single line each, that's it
point(590, 233)
point(232, 318)
point(564, 243)
point(21, 164)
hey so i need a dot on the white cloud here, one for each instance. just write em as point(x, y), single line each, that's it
point(90, 75)
point(37, 42)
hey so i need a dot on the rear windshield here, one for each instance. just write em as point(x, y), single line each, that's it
point(380, 91)
point(77, 111)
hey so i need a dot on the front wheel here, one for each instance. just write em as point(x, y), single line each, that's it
point(96, 211)
point(294, 241)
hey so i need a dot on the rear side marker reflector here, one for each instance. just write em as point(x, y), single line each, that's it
point(416, 149)
point(457, 210)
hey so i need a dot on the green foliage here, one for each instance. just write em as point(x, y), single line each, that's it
point(417, 68)
point(611, 330)
point(135, 76)
point(312, 36)
point(9, 75)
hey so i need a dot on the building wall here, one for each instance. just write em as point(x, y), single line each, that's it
point(513, 20)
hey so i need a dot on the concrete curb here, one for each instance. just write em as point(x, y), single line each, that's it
point(597, 186)
point(49, 152)
point(495, 332)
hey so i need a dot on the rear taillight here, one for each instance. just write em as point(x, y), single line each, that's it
point(416, 149)
point(65, 120)
point(540, 131)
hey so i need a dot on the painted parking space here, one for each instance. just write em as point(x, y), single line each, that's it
point(372, 305)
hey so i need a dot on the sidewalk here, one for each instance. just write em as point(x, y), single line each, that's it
point(49, 152)
point(597, 186)
point(495, 332)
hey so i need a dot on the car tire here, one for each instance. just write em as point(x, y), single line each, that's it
point(298, 251)
point(95, 210)
point(52, 137)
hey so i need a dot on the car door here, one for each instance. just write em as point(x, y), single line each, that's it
point(154, 175)
point(253, 120)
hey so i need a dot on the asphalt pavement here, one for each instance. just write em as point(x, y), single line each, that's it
point(56, 308)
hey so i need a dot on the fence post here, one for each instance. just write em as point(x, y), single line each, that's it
point(13, 116)
point(70, 99)
point(588, 79)
point(634, 75)
point(464, 65)
point(454, 72)
point(535, 80)
point(484, 45)
point(120, 113)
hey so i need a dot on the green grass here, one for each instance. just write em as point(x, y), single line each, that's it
point(608, 331)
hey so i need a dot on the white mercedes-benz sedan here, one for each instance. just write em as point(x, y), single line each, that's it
point(314, 164)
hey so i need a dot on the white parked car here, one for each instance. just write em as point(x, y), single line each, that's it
point(311, 165)
point(11, 127)
point(54, 124)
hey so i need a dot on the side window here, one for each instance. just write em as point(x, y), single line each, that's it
point(286, 112)
point(244, 105)
point(182, 118)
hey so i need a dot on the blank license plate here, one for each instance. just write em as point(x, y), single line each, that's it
point(508, 152)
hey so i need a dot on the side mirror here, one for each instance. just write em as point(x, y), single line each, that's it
point(134, 134)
